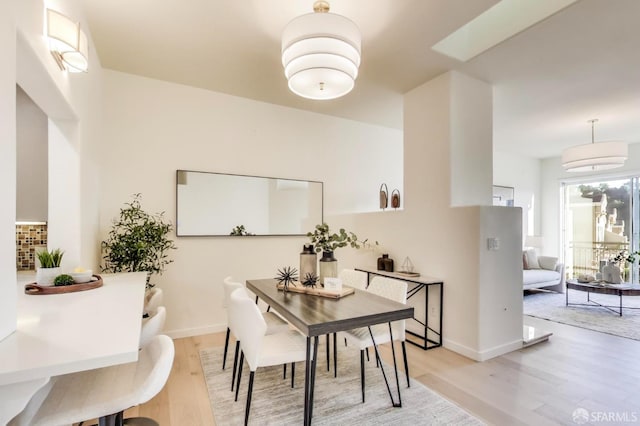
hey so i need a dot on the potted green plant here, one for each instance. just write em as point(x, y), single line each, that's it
point(49, 266)
point(138, 241)
point(328, 242)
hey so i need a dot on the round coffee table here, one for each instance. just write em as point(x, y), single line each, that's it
point(623, 289)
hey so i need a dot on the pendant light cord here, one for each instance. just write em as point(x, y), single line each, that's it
point(593, 122)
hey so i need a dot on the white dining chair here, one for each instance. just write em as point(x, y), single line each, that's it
point(153, 299)
point(357, 280)
point(392, 289)
point(257, 347)
point(153, 325)
point(274, 323)
point(102, 393)
point(353, 278)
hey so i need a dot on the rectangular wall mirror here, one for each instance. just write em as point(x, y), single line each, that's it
point(214, 204)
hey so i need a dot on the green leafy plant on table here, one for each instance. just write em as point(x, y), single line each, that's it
point(50, 259)
point(63, 279)
point(324, 240)
point(138, 241)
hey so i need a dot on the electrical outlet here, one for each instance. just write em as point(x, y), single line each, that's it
point(493, 243)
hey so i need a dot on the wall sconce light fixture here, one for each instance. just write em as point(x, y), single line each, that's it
point(67, 42)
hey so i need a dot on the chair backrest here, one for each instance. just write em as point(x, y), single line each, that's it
point(229, 287)
point(353, 278)
point(154, 299)
point(154, 365)
point(152, 326)
point(250, 326)
point(395, 290)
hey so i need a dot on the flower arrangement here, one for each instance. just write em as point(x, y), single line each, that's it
point(625, 256)
point(324, 240)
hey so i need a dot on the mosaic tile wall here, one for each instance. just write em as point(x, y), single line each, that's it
point(28, 237)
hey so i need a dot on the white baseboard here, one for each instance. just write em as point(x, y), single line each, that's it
point(483, 355)
point(196, 331)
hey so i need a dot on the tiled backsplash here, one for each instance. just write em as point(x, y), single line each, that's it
point(28, 237)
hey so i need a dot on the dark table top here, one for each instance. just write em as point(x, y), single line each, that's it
point(625, 289)
point(317, 315)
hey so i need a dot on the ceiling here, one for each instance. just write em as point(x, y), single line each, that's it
point(581, 63)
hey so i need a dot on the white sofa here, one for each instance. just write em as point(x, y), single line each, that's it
point(546, 273)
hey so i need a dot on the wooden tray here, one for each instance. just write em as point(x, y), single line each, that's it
point(33, 288)
point(408, 274)
point(318, 291)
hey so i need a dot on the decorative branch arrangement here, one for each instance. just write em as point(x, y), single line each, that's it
point(310, 280)
point(287, 276)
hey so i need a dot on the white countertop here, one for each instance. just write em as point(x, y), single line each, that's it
point(64, 333)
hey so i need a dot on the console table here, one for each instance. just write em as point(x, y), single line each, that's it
point(429, 337)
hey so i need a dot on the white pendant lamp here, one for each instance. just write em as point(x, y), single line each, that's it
point(594, 156)
point(321, 54)
point(67, 42)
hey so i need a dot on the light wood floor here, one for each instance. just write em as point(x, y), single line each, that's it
point(539, 385)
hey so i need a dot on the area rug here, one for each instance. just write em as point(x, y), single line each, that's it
point(551, 306)
point(337, 400)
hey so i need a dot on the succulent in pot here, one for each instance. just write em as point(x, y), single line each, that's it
point(49, 266)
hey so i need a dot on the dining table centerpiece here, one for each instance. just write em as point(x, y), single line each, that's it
point(328, 242)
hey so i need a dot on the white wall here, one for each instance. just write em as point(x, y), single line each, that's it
point(471, 141)
point(500, 282)
point(482, 291)
point(523, 174)
point(32, 153)
point(27, 61)
point(7, 170)
point(152, 128)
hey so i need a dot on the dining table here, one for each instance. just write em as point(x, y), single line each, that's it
point(315, 315)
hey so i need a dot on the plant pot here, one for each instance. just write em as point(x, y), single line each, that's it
point(45, 276)
point(328, 266)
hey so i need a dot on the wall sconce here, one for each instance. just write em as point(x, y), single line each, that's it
point(67, 42)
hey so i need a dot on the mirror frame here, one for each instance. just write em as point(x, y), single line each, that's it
point(178, 171)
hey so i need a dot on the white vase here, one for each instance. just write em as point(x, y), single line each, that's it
point(45, 276)
point(611, 274)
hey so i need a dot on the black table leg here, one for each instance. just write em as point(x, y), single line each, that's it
point(313, 376)
point(379, 360)
point(307, 371)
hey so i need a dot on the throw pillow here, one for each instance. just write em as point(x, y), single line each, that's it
point(525, 264)
point(532, 259)
point(548, 262)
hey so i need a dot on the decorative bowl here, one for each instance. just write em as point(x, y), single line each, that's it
point(82, 277)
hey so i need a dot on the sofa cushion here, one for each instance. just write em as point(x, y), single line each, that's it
point(533, 276)
point(532, 259)
point(548, 262)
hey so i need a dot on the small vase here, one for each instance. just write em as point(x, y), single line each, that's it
point(381, 262)
point(611, 274)
point(45, 276)
point(328, 266)
point(308, 262)
point(388, 264)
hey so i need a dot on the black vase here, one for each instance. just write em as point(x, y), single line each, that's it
point(385, 263)
point(381, 261)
